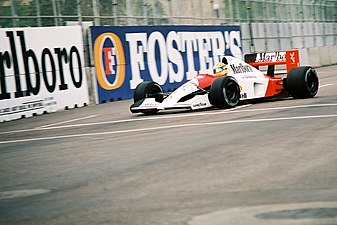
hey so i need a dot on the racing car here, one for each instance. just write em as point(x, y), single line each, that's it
point(238, 81)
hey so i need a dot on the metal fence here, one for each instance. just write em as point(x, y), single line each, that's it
point(32, 13)
point(267, 25)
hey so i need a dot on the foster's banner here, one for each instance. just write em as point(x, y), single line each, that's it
point(124, 56)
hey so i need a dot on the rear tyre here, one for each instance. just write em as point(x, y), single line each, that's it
point(225, 92)
point(302, 82)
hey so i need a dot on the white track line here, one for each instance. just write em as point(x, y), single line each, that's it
point(67, 121)
point(168, 127)
point(124, 121)
point(325, 85)
point(158, 117)
point(22, 193)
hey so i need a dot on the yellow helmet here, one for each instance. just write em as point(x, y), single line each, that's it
point(220, 69)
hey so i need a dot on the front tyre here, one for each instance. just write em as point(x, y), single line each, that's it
point(302, 82)
point(146, 89)
point(225, 92)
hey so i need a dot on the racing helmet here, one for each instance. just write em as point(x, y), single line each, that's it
point(220, 69)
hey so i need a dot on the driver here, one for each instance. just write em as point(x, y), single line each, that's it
point(220, 69)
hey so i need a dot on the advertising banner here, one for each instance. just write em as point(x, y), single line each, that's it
point(124, 56)
point(41, 70)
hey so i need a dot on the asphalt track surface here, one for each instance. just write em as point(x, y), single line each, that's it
point(269, 163)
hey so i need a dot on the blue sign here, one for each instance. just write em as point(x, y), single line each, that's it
point(124, 56)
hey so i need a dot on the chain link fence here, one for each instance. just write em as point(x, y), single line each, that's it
point(35, 13)
point(267, 25)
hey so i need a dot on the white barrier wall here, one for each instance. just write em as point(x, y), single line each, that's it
point(41, 70)
point(317, 41)
point(266, 37)
point(322, 56)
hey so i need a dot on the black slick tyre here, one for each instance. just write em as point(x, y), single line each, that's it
point(302, 82)
point(225, 92)
point(146, 89)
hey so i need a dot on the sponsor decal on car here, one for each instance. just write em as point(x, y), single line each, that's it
point(243, 95)
point(270, 57)
point(240, 68)
point(201, 104)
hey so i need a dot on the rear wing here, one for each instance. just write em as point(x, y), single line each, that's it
point(290, 59)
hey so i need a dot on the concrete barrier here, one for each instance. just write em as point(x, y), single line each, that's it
point(320, 50)
point(313, 55)
point(41, 71)
point(322, 56)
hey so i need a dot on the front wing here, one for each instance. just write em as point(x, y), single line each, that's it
point(149, 104)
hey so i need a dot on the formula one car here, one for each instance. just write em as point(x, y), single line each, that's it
point(240, 81)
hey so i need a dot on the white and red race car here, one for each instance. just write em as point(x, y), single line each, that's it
point(244, 81)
